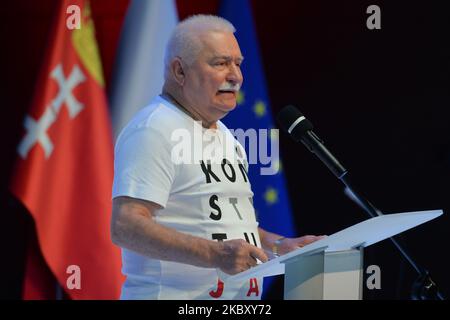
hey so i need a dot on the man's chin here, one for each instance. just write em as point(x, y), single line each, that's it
point(227, 107)
point(227, 104)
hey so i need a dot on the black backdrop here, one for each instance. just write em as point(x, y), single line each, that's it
point(379, 98)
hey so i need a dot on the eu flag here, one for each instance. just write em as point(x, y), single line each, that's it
point(253, 112)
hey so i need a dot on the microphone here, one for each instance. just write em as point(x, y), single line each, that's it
point(292, 121)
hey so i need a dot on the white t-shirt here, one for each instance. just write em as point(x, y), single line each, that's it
point(164, 156)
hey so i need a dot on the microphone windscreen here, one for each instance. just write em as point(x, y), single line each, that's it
point(292, 121)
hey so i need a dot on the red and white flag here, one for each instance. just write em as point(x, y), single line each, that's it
point(64, 169)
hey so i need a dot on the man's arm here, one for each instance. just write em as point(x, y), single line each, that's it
point(134, 228)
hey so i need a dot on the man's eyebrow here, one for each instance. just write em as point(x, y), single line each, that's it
point(228, 58)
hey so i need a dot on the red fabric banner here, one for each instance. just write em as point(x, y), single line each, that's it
point(64, 170)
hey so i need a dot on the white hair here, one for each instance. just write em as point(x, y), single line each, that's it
point(184, 40)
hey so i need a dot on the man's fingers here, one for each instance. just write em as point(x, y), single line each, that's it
point(309, 239)
point(252, 262)
point(259, 254)
point(303, 241)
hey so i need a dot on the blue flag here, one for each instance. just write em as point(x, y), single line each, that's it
point(253, 111)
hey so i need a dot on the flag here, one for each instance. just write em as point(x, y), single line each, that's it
point(64, 170)
point(253, 112)
point(139, 68)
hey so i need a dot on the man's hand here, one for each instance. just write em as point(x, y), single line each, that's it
point(234, 256)
point(289, 244)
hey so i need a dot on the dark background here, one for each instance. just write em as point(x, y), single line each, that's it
point(379, 98)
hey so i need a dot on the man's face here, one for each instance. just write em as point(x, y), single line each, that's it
point(216, 66)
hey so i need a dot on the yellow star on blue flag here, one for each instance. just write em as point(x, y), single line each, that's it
point(271, 196)
point(259, 109)
point(240, 99)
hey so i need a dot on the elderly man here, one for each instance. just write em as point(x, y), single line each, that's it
point(182, 225)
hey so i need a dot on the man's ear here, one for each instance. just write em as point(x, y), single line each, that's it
point(177, 70)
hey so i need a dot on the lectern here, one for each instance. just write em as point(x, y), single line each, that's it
point(332, 268)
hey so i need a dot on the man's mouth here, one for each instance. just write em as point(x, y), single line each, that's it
point(226, 91)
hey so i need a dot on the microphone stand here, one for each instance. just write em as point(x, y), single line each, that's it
point(423, 288)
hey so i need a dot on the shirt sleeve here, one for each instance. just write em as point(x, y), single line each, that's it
point(143, 168)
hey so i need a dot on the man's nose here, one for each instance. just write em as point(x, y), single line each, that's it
point(234, 74)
